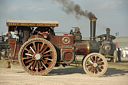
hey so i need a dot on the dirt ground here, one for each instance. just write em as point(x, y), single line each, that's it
point(117, 74)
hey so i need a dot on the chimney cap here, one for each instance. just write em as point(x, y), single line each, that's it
point(107, 29)
point(93, 19)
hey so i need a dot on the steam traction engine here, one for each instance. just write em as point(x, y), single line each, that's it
point(107, 47)
point(38, 49)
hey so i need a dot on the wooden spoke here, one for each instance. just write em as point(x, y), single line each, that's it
point(26, 58)
point(47, 51)
point(30, 64)
point(40, 66)
point(28, 61)
point(37, 67)
point(34, 64)
point(89, 64)
point(44, 65)
point(95, 71)
point(47, 55)
point(95, 59)
point(38, 47)
point(27, 50)
point(28, 54)
point(32, 49)
point(42, 47)
point(49, 59)
point(34, 45)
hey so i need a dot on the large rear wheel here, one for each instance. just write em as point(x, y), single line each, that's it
point(95, 64)
point(37, 56)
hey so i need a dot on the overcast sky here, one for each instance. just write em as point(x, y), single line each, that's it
point(111, 14)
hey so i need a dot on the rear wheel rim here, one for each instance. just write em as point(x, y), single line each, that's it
point(37, 56)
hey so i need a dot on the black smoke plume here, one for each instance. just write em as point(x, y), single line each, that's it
point(70, 8)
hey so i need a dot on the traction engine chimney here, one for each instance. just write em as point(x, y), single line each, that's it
point(107, 34)
point(92, 28)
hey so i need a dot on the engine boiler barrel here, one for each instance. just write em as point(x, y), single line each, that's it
point(86, 47)
point(82, 48)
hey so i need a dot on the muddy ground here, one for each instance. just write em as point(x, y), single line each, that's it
point(117, 74)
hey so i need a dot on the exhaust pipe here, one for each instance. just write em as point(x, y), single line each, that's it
point(92, 28)
point(107, 34)
point(94, 45)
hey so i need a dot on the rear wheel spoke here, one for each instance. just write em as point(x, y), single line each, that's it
point(44, 65)
point(28, 54)
point(26, 58)
point(32, 49)
point(30, 64)
point(34, 64)
point(40, 66)
point(28, 61)
point(41, 47)
point(44, 49)
point(47, 51)
point(37, 67)
point(49, 59)
point(34, 45)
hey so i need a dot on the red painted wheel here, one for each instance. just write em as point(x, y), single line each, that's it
point(95, 64)
point(37, 56)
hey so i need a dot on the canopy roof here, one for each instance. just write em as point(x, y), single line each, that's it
point(32, 23)
point(104, 35)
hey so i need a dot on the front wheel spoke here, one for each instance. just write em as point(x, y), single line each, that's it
point(99, 60)
point(92, 70)
point(89, 64)
point(95, 59)
point(99, 67)
point(95, 70)
point(100, 63)
point(91, 59)
point(32, 49)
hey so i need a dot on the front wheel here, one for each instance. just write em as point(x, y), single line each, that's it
point(95, 64)
point(115, 56)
